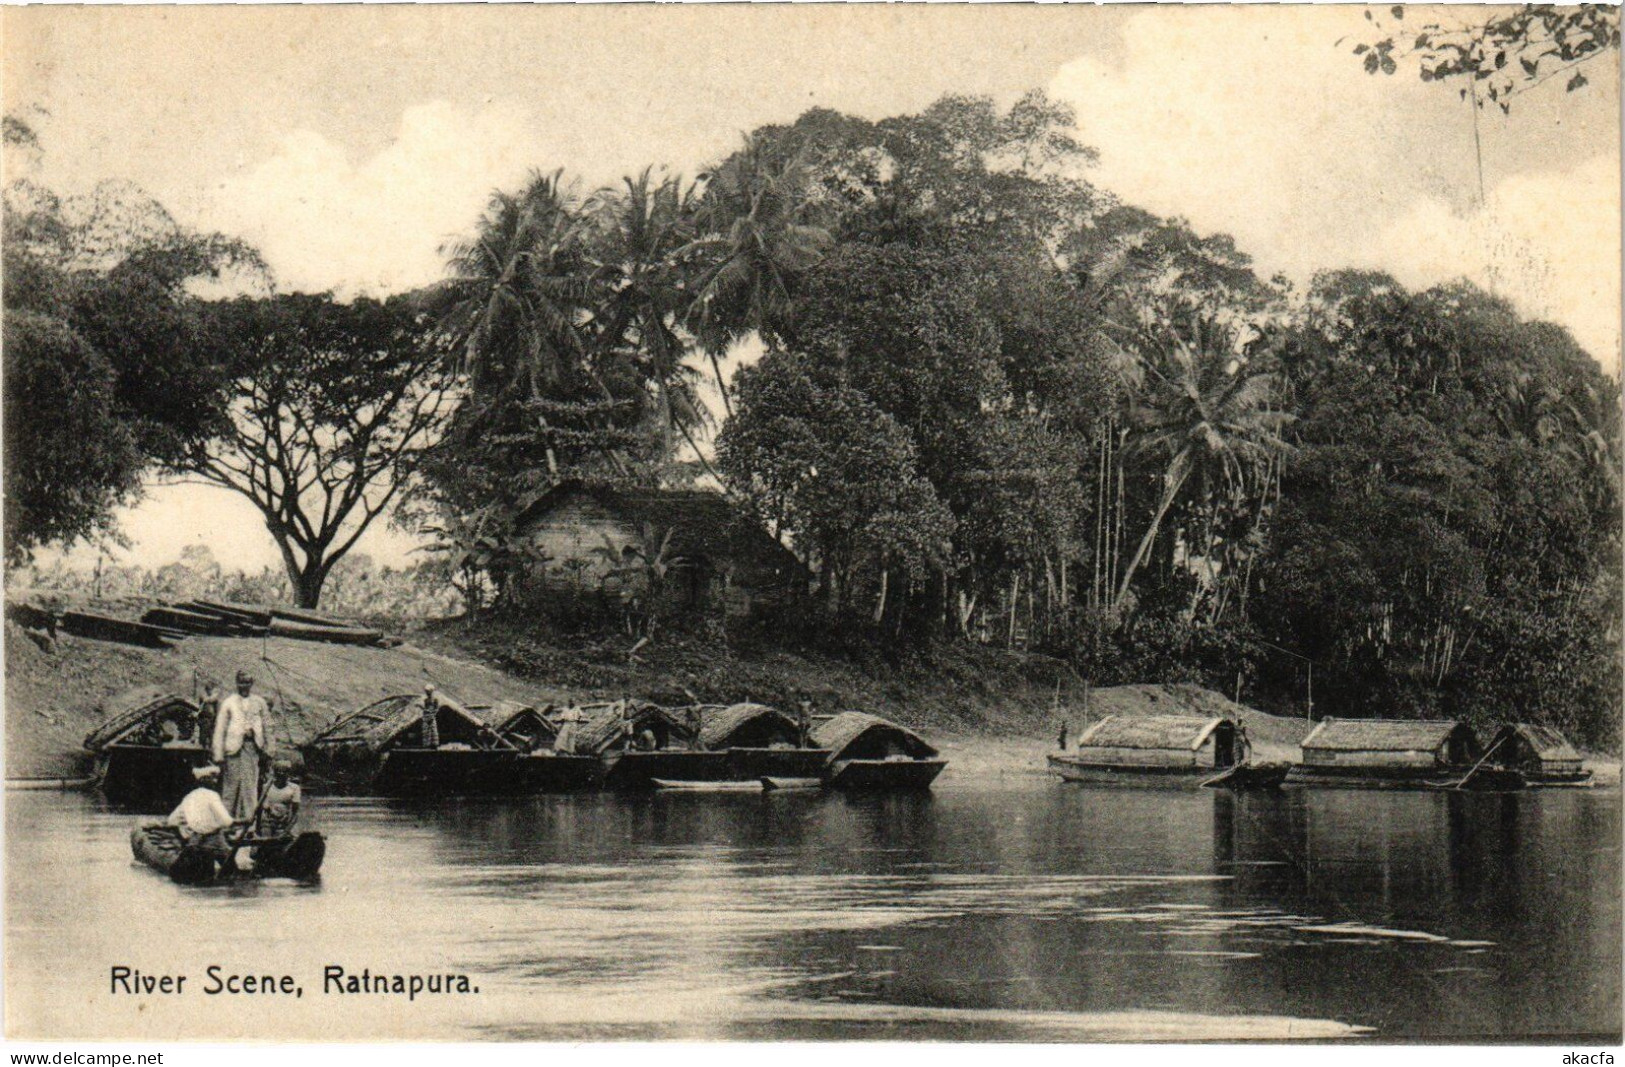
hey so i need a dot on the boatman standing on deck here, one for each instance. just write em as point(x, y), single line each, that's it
point(240, 741)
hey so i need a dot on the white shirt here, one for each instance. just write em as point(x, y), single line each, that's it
point(202, 812)
point(240, 716)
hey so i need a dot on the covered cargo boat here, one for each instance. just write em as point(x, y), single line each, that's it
point(146, 751)
point(867, 752)
point(761, 742)
point(546, 739)
point(1385, 753)
point(638, 743)
point(1158, 750)
point(1541, 754)
point(386, 749)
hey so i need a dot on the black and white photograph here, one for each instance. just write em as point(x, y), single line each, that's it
point(790, 523)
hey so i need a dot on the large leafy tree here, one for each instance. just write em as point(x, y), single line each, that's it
point(333, 405)
point(111, 364)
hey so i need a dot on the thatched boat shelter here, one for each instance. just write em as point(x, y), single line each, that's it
point(148, 747)
point(525, 727)
point(868, 752)
point(1540, 753)
point(1152, 749)
point(617, 725)
point(1385, 753)
point(746, 726)
point(384, 750)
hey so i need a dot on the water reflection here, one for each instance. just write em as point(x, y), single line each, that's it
point(1032, 911)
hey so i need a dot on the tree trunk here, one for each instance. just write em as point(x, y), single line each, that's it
point(722, 386)
point(880, 603)
point(1150, 535)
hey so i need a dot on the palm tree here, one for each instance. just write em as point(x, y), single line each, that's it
point(518, 296)
point(641, 235)
point(759, 232)
point(1203, 408)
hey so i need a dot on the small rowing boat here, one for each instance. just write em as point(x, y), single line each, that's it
point(1250, 776)
point(686, 785)
point(160, 847)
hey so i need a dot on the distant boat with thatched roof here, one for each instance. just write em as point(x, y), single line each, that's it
point(1153, 750)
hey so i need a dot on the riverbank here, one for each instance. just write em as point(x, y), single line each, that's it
point(993, 713)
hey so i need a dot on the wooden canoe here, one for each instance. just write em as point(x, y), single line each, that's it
point(160, 847)
point(709, 787)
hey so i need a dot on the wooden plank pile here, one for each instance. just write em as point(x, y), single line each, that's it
point(159, 627)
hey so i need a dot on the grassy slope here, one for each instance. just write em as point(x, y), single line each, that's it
point(992, 712)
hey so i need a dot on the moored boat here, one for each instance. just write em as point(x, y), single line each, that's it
point(400, 747)
point(1540, 754)
point(869, 753)
point(550, 762)
point(761, 742)
point(1169, 751)
point(147, 749)
point(1250, 776)
point(1386, 754)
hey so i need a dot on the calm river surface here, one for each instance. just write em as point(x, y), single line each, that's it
point(1031, 911)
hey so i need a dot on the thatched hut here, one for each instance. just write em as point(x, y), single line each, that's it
point(1540, 753)
point(524, 727)
point(868, 752)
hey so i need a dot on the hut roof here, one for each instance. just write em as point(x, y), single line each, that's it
point(130, 710)
point(718, 725)
point(701, 523)
point(1546, 742)
point(841, 731)
point(606, 722)
point(378, 724)
point(1184, 733)
point(1381, 735)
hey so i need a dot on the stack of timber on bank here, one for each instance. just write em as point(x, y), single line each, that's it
point(867, 752)
point(1386, 754)
point(147, 749)
point(1155, 750)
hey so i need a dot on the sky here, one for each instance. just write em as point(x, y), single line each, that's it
point(349, 143)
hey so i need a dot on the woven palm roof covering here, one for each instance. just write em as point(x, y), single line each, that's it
point(1547, 743)
point(1184, 733)
point(845, 730)
point(130, 710)
point(378, 724)
point(1382, 735)
point(718, 725)
point(606, 723)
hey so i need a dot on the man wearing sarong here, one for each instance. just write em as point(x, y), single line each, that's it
point(240, 740)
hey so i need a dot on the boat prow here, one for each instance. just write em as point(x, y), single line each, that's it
point(161, 848)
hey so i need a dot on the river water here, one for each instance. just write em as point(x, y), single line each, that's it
point(1027, 911)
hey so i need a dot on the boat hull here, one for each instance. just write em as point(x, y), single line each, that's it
point(556, 772)
point(443, 772)
point(1318, 777)
point(869, 775)
point(149, 778)
point(1072, 769)
point(754, 763)
point(638, 770)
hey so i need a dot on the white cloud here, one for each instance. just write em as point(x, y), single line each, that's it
point(1274, 134)
point(325, 221)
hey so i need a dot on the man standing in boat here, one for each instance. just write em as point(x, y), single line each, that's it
point(240, 742)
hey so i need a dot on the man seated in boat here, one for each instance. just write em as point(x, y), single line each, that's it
point(202, 819)
point(279, 813)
